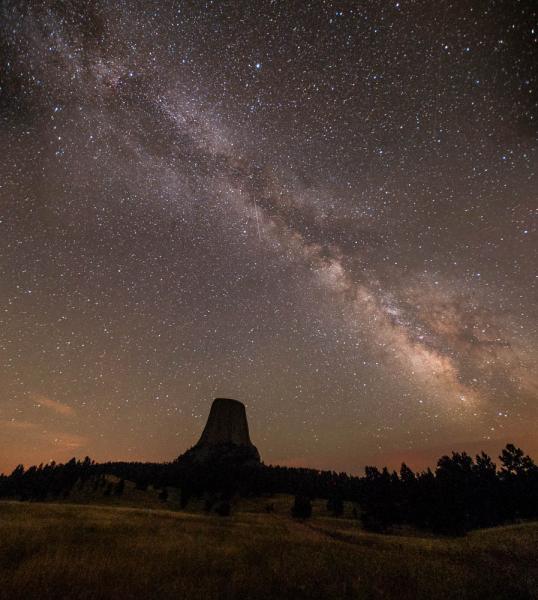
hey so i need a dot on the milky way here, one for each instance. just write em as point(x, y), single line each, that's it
point(325, 210)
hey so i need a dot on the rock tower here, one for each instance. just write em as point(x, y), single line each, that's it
point(225, 438)
point(226, 424)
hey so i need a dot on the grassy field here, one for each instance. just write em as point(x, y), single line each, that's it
point(71, 551)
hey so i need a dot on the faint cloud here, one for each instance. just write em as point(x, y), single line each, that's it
point(25, 442)
point(17, 425)
point(58, 407)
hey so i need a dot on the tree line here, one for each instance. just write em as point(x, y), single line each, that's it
point(460, 494)
point(463, 493)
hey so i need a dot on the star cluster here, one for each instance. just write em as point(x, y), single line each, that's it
point(323, 209)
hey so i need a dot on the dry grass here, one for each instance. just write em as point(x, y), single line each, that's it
point(88, 552)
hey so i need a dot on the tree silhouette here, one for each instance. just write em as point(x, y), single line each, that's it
point(335, 505)
point(302, 507)
point(223, 508)
point(120, 487)
point(462, 494)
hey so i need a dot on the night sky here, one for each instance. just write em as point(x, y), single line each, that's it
point(325, 210)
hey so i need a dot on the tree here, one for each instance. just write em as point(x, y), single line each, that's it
point(454, 487)
point(120, 488)
point(518, 483)
point(185, 496)
point(223, 508)
point(515, 462)
point(302, 507)
point(484, 496)
point(142, 485)
point(378, 499)
point(209, 503)
point(335, 505)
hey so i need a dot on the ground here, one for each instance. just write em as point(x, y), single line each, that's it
point(87, 552)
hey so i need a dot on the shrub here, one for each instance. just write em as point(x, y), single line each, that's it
point(223, 508)
point(302, 508)
point(335, 505)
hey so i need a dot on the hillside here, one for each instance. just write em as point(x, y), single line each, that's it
point(74, 551)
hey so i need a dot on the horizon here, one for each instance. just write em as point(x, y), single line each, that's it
point(418, 461)
point(417, 466)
